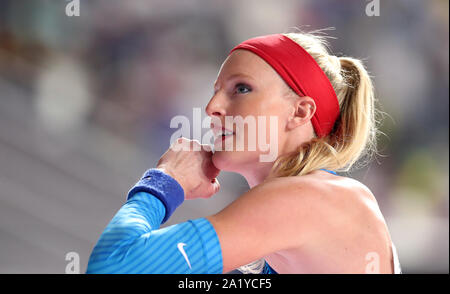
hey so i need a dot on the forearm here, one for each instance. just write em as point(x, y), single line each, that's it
point(133, 243)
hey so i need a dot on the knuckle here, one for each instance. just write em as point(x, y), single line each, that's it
point(206, 147)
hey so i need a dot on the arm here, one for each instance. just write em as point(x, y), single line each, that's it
point(133, 243)
point(264, 220)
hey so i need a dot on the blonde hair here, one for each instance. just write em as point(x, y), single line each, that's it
point(355, 131)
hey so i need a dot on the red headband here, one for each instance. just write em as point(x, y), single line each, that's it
point(301, 72)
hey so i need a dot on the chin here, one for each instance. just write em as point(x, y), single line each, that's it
point(222, 160)
point(231, 161)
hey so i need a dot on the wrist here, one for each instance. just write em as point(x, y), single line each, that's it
point(163, 186)
point(167, 170)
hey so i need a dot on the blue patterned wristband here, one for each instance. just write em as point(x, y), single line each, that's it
point(163, 187)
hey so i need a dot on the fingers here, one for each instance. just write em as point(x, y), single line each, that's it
point(181, 144)
point(213, 188)
point(207, 147)
point(197, 167)
point(216, 185)
point(184, 144)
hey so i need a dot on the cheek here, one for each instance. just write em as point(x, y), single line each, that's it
point(269, 104)
point(272, 120)
point(269, 115)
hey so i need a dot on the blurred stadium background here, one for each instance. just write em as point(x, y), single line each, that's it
point(86, 102)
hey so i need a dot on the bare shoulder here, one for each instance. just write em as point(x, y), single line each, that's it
point(281, 204)
point(337, 186)
point(318, 190)
point(318, 186)
point(325, 200)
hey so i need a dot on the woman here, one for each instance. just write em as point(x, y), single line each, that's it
point(299, 216)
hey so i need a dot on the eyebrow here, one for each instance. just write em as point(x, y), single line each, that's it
point(235, 76)
point(239, 75)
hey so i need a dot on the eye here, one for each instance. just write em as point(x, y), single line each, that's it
point(242, 88)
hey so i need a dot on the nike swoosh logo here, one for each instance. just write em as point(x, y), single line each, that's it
point(180, 247)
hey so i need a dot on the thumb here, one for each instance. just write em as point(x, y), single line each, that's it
point(214, 187)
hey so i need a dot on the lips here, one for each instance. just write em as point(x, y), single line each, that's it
point(221, 134)
point(224, 133)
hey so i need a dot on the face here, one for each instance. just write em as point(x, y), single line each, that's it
point(248, 87)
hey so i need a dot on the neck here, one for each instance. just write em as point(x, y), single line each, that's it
point(255, 176)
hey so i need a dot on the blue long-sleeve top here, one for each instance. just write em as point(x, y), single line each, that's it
point(133, 241)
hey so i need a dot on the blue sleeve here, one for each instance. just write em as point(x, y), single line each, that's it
point(133, 243)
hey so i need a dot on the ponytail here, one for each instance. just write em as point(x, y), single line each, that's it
point(354, 133)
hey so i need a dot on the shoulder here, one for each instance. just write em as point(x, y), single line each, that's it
point(281, 205)
point(318, 199)
point(314, 187)
point(336, 204)
point(283, 198)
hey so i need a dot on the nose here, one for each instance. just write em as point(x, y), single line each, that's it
point(215, 106)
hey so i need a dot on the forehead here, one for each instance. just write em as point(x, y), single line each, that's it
point(246, 63)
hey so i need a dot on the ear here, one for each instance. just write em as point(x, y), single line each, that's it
point(303, 110)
